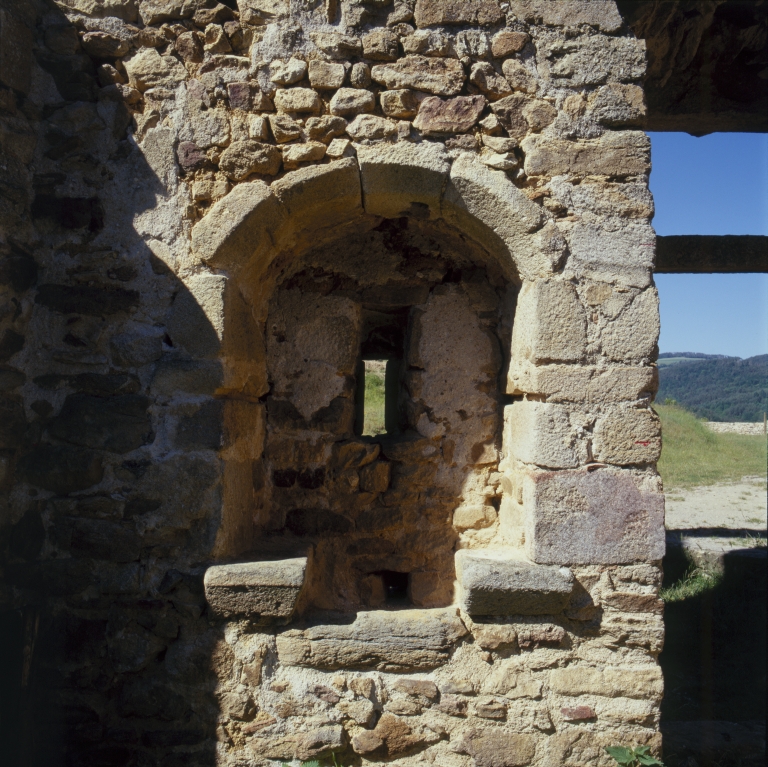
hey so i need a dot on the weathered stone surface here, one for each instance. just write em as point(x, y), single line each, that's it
point(616, 153)
point(371, 127)
point(509, 112)
point(381, 45)
point(309, 346)
point(297, 100)
point(320, 196)
point(325, 128)
point(447, 321)
point(325, 75)
point(437, 116)
point(490, 208)
point(352, 101)
point(287, 72)
point(632, 336)
point(489, 81)
point(366, 742)
point(638, 682)
point(507, 680)
point(257, 590)
point(337, 45)
point(619, 105)
point(102, 45)
point(496, 748)
point(594, 60)
point(538, 114)
point(242, 158)
point(431, 13)
point(388, 641)
point(284, 128)
point(626, 436)
point(148, 69)
point(602, 14)
point(427, 42)
point(585, 517)
point(237, 224)
point(401, 104)
point(518, 78)
point(546, 434)
point(507, 42)
point(61, 469)
point(550, 323)
point(443, 77)
point(94, 300)
point(117, 424)
point(295, 154)
point(494, 584)
point(402, 178)
point(321, 742)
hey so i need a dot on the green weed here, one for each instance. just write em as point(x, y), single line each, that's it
point(633, 757)
point(694, 582)
point(373, 423)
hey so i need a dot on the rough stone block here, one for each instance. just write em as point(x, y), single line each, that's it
point(430, 13)
point(297, 100)
point(61, 469)
point(318, 197)
point(602, 14)
point(237, 226)
point(491, 209)
point(439, 76)
point(622, 682)
point(550, 323)
point(632, 336)
point(497, 748)
point(627, 435)
point(325, 75)
point(492, 583)
point(615, 153)
point(603, 516)
point(258, 590)
point(197, 316)
point(388, 641)
point(403, 179)
point(545, 434)
point(577, 383)
point(592, 60)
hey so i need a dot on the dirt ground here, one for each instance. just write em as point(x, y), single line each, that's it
point(741, 505)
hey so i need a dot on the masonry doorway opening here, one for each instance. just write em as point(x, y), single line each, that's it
point(384, 360)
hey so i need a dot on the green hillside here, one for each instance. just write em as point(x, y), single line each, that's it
point(724, 389)
point(693, 455)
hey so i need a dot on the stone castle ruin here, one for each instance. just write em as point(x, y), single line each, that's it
point(212, 216)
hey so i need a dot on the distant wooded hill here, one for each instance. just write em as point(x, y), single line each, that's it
point(714, 387)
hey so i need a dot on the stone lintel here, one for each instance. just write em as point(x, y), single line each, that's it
point(493, 583)
point(387, 640)
point(265, 591)
point(712, 254)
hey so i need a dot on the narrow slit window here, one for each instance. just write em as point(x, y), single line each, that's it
point(377, 397)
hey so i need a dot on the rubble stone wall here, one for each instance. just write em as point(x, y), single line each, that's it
point(210, 214)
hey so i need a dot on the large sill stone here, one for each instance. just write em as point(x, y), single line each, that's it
point(397, 640)
point(266, 592)
point(493, 583)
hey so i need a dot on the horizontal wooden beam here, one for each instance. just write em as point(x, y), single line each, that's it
point(702, 253)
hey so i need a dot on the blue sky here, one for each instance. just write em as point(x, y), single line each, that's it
point(717, 184)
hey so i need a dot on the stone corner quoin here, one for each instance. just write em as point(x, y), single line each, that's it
point(215, 215)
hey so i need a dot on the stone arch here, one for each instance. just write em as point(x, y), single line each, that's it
point(237, 242)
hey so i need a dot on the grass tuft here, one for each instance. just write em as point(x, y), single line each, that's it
point(693, 455)
point(695, 581)
point(373, 422)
